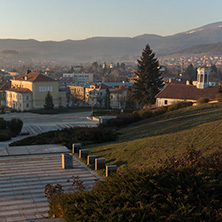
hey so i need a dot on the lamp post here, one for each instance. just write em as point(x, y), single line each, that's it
point(92, 106)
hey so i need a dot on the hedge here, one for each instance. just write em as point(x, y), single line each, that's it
point(186, 189)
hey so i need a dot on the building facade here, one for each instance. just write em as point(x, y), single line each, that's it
point(29, 91)
point(173, 93)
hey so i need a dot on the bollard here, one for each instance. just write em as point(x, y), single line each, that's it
point(83, 153)
point(91, 159)
point(100, 163)
point(76, 147)
point(67, 161)
point(110, 169)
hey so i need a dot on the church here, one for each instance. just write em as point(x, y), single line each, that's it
point(187, 92)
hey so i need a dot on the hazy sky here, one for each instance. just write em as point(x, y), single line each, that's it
point(80, 19)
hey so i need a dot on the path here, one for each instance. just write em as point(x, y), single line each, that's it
point(24, 172)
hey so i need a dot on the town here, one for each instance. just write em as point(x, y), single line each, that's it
point(110, 111)
point(92, 84)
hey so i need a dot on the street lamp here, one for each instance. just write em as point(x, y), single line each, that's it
point(92, 105)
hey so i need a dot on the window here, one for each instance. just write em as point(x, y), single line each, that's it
point(205, 78)
point(165, 102)
point(27, 97)
point(201, 78)
point(27, 105)
point(45, 88)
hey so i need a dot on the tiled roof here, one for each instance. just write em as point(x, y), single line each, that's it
point(20, 90)
point(34, 77)
point(119, 90)
point(103, 86)
point(174, 81)
point(188, 92)
point(5, 86)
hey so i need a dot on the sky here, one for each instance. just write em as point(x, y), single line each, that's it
point(80, 19)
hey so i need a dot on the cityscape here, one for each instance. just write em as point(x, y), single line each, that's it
point(110, 111)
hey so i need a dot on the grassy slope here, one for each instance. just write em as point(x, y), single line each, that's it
point(144, 143)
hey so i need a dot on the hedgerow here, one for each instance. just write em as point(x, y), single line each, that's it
point(84, 135)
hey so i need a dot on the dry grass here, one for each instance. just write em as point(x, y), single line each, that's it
point(144, 143)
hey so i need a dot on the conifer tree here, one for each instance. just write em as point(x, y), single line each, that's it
point(149, 79)
point(48, 101)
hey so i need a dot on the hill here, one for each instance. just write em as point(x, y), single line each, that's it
point(208, 49)
point(146, 142)
point(112, 49)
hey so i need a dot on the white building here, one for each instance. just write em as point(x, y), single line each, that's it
point(79, 77)
point(188, 93)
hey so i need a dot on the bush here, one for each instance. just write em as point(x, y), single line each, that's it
point(202, 100)
point(145, 114)
point(15, 126)
point(84, 135)
point(219, 94)
point(122, 120)
point(186, 189)
point(179, 105)
point(2, 123)
point(4, 137)
point(160, 110)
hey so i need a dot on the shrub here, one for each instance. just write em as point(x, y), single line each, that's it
point(202, 100)
point(15, 125)
point(179, 105)
point(2, 123)
point(84, 135)
point(145, 114)
point(186, 189)
point(4, 137)
point(122, 120)
point(219, 94)
point(160, 110)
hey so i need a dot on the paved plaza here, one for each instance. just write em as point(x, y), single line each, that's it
point(24, 173)
point(37, 123)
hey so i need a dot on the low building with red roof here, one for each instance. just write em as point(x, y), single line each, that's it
point(172, 93)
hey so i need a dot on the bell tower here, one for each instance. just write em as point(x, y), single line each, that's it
point(203, 77)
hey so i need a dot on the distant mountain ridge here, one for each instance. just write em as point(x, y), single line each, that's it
point(114, 48)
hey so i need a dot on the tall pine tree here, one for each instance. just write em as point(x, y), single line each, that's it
point(149, 79)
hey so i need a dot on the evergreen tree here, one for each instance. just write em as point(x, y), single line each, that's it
point(149, 79)
point(48, 101)
point(190, 73)
point(130, 102)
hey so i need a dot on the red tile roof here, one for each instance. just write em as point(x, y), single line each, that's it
point(119, 90)
point(5, 86)
point(103, 86)
point(188, 92)
point(20, 90)
point(34, 77)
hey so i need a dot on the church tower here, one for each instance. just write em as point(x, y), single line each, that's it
point(203, 77)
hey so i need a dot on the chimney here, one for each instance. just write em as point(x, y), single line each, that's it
point(28, 71)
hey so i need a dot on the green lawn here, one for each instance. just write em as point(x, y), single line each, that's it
point(144, 143)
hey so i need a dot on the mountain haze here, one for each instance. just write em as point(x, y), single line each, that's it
point(113, 48)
